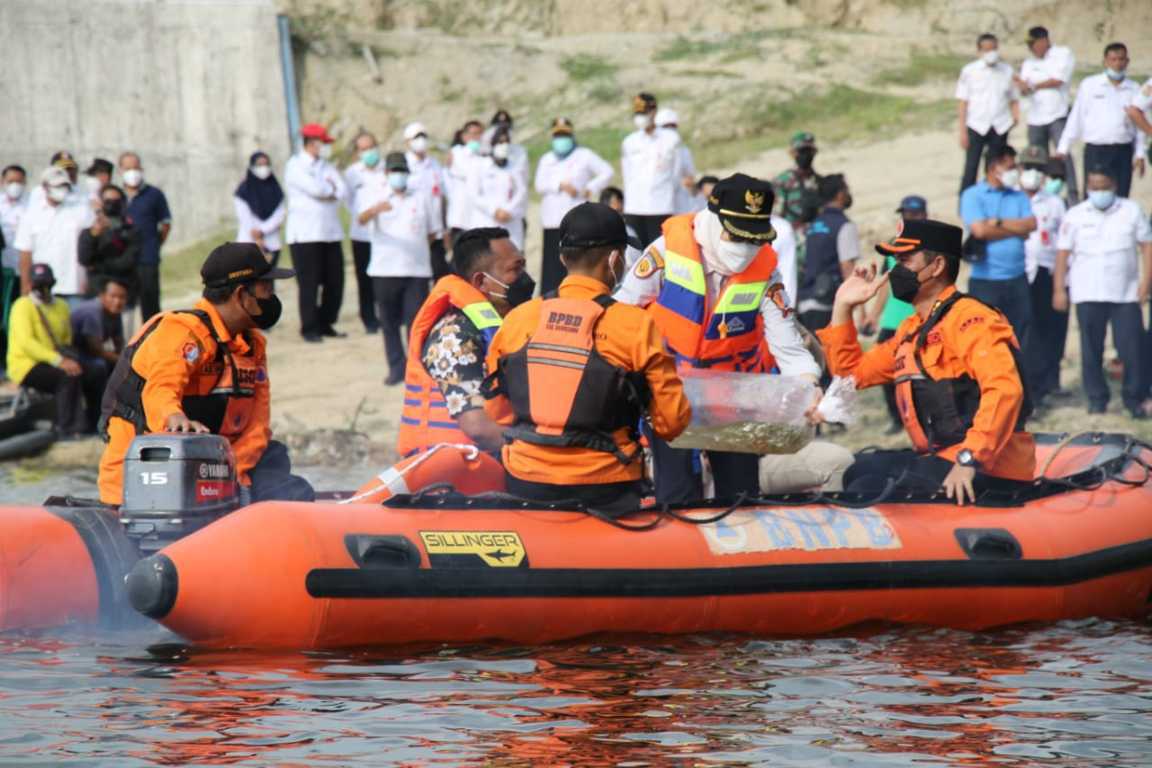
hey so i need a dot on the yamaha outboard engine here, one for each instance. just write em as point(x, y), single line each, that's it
point(174, 485)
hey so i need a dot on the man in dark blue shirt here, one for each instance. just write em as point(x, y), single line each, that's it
point(148, 211)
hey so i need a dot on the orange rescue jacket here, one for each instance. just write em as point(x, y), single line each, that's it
point(187, 362)
point(958, 382)
point(424, 421)
point(728, 335)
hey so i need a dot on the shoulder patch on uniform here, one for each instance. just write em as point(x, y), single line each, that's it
point(648, 264)
point(778, 296)
point(190, 352)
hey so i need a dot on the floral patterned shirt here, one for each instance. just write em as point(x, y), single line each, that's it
point(454, 356)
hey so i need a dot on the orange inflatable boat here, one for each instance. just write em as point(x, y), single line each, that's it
point(450, 568)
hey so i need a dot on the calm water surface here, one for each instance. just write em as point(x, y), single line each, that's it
point(1071, 694)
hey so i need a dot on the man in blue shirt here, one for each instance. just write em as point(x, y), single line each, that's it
point(148, 211)
point(998, 213)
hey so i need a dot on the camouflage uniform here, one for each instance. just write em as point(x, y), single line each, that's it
point(794, 193)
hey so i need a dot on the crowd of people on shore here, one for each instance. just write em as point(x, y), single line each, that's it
point(1033, 246)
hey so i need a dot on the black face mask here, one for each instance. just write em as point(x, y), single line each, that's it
point(804, 159)
point(270, 310)
point(847, 203)
point(113, 209)
point(521, 289)
point(905, 283)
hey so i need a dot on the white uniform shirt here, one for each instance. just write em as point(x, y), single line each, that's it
point(785, 246)
point(426, 176)
point(518, 162)
point(246, 221)
point(11, 211)
point(1142, 100)
point(989, 92)
point(399, 236)
point(1098, 115)
point(784, 339)
point(1048, 104)
point(496, 188)
point(1040, 247)
point(52, 234)
point(355, 178)
point(1104, 250)
point(459, 194)
point(686, 199)
point(581, 168)
point(314, 189)
point(649, 163)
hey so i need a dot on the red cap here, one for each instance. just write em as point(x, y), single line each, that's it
point(316, 131)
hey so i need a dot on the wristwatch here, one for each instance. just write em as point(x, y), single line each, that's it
point(966, 459)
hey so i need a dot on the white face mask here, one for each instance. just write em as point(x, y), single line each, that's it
point(261, 171)
point(1031, 179)
point(325, 151)
point(133, 177)
point(14, 190)
point(93, 185)
point(1010, 178)
point(734, 258)
point(419, 145)
point(991, 58)
point(641, 121)
point(500, 151)
point(58, 194)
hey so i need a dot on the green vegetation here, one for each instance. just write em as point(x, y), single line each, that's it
point(584, 66)
point(922, 67)
point(745, 45)
point(180, 267)
point(838, 114)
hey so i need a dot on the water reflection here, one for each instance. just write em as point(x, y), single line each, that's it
point(1078, 693)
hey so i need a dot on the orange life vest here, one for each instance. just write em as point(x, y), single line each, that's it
point(562, 391)
point(728, 336)
point(424, 421)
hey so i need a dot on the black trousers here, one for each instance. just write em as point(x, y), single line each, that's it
point(272, 478)
point(815, 319)
point(361, 255)
point(439, 255)
point(1049, 332)
point(77, 397)
point(889, 389)
point(148, 283)
point(614, 498)
point(1116, 159)
point(398, 299)
point(647, 227)
point(977, 143)
point(1128, 336)
point(552, 272)
point(678, 478)
point(1012, 297)
point(274, 257)
point(1048, 136)
point(912, 472)
point(320, 279)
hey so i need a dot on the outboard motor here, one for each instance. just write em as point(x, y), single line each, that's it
point(174, 485)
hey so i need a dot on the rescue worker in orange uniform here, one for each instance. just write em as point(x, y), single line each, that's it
point(579, 372)
point(450, 337)
point(205, 370)
point(956, 367)
point(712, 285)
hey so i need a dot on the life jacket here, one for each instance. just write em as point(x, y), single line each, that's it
point(424, 421)
point(728, 336)
point(937, 413)
point(562, 391)
point(219, 394)
point(822, 275)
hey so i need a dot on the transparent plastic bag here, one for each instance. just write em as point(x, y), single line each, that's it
point(839, 403)
point(746, 412)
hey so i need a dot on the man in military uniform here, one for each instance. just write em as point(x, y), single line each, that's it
point(797, 188)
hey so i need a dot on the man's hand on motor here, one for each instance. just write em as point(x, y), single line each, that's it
point(178, 422)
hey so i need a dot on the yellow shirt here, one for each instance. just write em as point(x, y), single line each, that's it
point(29, 342)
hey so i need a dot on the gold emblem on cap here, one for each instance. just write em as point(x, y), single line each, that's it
point(753, 201)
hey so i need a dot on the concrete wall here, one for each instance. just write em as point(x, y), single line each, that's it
point(193, 86)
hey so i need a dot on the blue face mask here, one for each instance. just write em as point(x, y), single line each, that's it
point(474, 146)
point(1054, 186)
point(398, 180)
point(1115, 74)
point(563, 145)
point(1102, 198)
point(370, 157)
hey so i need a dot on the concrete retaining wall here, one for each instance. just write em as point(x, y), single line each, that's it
point(193, 86)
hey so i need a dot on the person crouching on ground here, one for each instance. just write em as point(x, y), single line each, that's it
point(579, 371)
point(956, 366)
point(205, 370)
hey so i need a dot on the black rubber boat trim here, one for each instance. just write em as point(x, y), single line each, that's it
point(703, 582)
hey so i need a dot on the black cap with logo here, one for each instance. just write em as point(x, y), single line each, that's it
point(924, 235)
point(236, 263)
point(396, 161)
point(744, 205)
point(592, 225)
